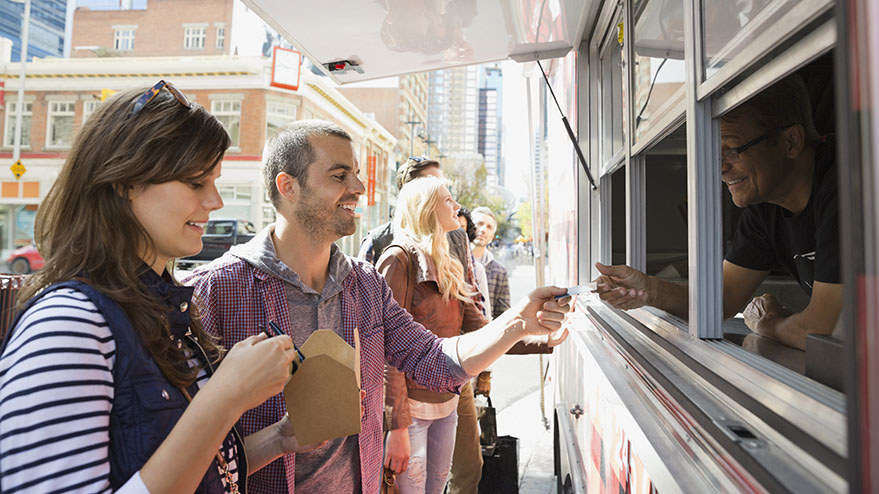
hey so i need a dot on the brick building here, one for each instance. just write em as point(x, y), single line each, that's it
point(400, 105)
point(60, 94)
point(199, 27)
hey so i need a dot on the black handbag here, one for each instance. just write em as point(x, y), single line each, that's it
point(487, 424)
point(500, 467)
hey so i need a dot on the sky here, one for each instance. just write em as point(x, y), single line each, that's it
point(515, 145)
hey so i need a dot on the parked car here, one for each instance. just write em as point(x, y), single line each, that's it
point(24, 260)
point(219, 236)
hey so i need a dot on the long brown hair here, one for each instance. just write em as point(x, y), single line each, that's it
point(85, 227)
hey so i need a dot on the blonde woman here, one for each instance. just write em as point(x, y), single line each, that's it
point(428, 282)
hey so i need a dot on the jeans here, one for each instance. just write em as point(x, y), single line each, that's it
point(432, 443)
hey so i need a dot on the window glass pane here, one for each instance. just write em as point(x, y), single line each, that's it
point(659, 60)
point(731, 26)
point(229, 114)
point(666, 211)
point(243, 192)
point(227, 192)
point(24, 224)
point(611, 97)
point(89, 107)
point(618, 210)
point(123, 40)
point(220, 228)
point(9, 140)
point(60, 129)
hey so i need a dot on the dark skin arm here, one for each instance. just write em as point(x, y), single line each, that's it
point(626, 288)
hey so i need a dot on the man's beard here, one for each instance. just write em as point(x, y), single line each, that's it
point(317, 222)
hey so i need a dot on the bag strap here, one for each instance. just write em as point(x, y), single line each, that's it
point(410, 283)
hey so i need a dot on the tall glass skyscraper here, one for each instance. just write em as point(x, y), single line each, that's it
point(46, 36)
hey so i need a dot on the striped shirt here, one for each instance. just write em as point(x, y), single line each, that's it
point(56, 393)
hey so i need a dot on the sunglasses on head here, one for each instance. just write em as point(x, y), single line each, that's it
point(153, 91)
point(418, 159)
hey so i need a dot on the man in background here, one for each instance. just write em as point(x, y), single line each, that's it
point(498, 281)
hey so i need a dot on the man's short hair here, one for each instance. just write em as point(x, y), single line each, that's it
point(290, 151)
point(412, 169)
point(783, 104)
point(484, 210)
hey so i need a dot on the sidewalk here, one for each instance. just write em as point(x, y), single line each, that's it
point(522, 419)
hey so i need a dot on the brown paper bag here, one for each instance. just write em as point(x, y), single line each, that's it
point(323, 396)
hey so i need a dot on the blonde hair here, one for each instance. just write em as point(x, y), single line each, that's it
point(416, 219)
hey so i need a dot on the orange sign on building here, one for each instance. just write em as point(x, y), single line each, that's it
point(370, 181)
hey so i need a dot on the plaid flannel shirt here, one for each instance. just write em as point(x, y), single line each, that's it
point(235, 298)
point(498, 284)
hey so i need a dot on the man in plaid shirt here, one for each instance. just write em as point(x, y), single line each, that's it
point(293, 273)
point(498, 281)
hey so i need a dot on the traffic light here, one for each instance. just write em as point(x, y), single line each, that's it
point(106, 93)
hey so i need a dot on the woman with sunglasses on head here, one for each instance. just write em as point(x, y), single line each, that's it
point(109, 382)
point(429, 283)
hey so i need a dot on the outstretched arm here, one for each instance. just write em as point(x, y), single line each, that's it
point(627, 288)
point(537, 314)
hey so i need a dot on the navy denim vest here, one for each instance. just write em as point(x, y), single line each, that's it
point(145, 405)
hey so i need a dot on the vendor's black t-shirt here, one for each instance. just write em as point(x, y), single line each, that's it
point(806, 244)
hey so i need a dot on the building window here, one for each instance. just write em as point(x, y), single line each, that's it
point(278, 114)
point(59, 124)
point(221, 37)
point(9, 128)
point(193, 38)
point(123, 39)
point(237, 202)
point(229, 114)
point(89, 107)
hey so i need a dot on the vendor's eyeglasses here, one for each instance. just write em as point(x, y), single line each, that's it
point(733, 155)
point(153, 91)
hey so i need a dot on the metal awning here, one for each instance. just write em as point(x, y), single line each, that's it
point(355, 40)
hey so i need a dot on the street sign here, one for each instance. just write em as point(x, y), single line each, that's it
point(18, 169)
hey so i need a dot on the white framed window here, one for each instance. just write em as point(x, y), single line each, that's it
point(228, 112)
point(278, 114)
point(221, 36)
point(123, 39)
point(194, 37)
point(9, 127)
point(89, 107)
point(59, 124)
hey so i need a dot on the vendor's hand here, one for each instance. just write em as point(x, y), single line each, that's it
point(289, 444)
point(483, 384)
point(540, 313)
point(254, 370)
point(762, 309)
point(622, 287)
point(362, 408)
point(398, 450)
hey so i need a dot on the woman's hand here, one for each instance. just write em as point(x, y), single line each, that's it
point(540, 313)
point(398, 450)
point(254, 370)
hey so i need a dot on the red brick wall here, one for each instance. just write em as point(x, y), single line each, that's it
point(159, 28)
